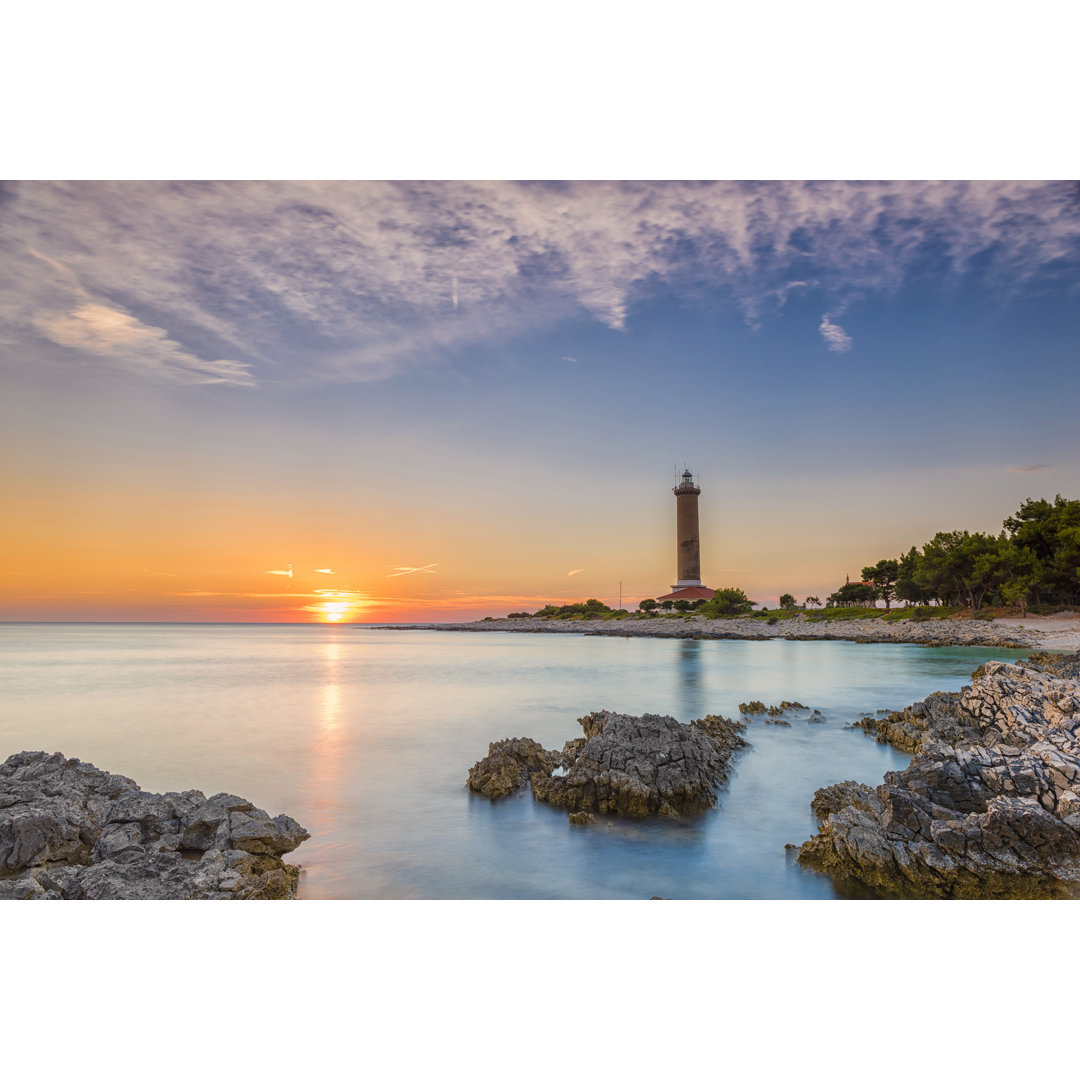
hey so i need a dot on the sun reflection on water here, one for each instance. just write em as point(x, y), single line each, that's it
point(326, 777)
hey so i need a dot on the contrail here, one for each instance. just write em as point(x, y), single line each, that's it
point(401, 570)
point(453, 294)
point(324, 571)
point(283, 573)
point(573, 572)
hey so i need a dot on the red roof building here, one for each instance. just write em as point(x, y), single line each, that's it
point(690, 592)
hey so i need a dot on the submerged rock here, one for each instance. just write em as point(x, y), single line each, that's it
point(633, 766)
point(776, 712)
point(988, 807)
point(71, 831)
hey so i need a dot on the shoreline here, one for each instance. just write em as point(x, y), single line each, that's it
point(1047, 632)
point(987, 807)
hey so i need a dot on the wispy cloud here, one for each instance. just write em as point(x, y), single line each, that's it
point(324, 571)
point(570, 359)
point(109, 334)
point(1029, 468)
point(573, 572)
point(122, 340)
point(235, 282)
point(835, 337)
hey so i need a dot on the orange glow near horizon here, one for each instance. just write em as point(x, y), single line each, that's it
point(132, 550)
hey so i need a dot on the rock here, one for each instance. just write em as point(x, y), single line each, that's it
point(256, 832)
point(634, 766)
point(776, 712)
point(73, 832)
point(990, 804)
point(828, 800)
point(508, 766)
point(582, 818)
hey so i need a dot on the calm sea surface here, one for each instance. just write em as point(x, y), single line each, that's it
point(366, 736)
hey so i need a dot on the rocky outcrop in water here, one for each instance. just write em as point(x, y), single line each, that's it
point(633, 766)
point(988, 807)
point(69, 831)
point(508, 766)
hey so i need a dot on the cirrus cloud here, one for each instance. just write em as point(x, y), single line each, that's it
point(237, 282)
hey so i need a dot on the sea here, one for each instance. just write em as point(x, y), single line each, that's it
point(365, 736)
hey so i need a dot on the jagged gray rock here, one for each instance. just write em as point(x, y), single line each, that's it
point(988, 807)
point(634, 766)
point(74, 832)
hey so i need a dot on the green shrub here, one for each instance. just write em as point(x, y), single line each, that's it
point(727, 602)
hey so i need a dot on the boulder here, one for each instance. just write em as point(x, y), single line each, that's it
point(990, 804)
point(828, 800)
point(633, 766)
point(508, 766)
point(73, 832)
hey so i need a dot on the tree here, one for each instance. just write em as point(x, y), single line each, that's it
point(1018, 592)
point(667, 605)
point(1051, 532)
point(963, 567)
point(787, 602)
point(853, 594)
point(647, 605)
point(883, 577)
point(682, 605)
point(940, 571)
point(907, 588)
point(812, 601)
point(727, 602)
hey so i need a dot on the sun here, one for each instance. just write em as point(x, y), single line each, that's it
point(334, 610)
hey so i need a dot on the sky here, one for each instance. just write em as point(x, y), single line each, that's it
point(417, 401)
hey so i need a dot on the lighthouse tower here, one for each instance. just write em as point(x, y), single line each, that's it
point(688, 543)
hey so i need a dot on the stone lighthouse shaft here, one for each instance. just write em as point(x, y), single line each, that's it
point(689, 547)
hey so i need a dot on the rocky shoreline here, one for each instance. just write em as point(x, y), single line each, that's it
point(69, 831)
point(942, 632)
point(989, 806)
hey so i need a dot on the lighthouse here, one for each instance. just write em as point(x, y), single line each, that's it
point(688, 543)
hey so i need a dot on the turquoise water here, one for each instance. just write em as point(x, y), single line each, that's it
point(366, 736)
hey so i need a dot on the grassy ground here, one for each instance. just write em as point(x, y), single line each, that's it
point(828, 614)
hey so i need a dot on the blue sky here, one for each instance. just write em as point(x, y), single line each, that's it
point(850, 367)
